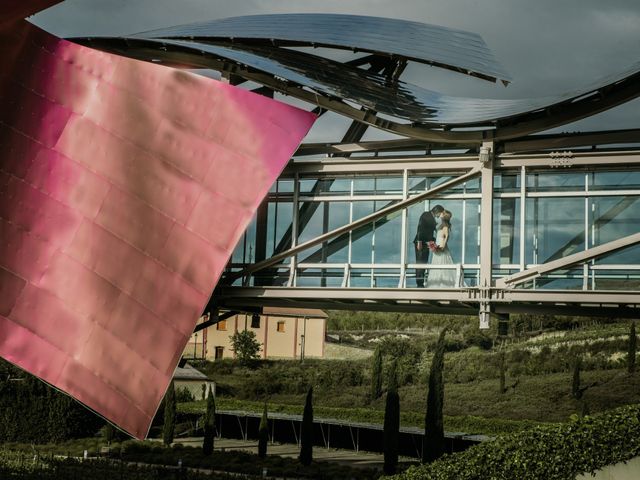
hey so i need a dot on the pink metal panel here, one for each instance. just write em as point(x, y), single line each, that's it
point(124, 187)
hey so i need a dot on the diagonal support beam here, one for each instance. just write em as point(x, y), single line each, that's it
point(213, 321)
point(358, 223)
point(581, 257)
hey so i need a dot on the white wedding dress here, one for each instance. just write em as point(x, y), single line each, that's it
point(441, 277)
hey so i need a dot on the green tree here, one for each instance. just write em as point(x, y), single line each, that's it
point(263, 434)
point(209, 424)
point(434, 445)
point(376, 374)
point(246, 346)
point(306, 431)
point(391, 429)
point(633, 345)
point(168, 429)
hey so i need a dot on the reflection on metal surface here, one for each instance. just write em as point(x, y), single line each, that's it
point(457, 50)
point(426, 109)
point(401, 100)
point(124, 187)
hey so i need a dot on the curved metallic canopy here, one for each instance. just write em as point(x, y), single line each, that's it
point(399, 99)
point(456, 50)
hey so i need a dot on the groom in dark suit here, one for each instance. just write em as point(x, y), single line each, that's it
point(424, 235)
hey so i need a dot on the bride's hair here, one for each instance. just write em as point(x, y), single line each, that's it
point(446, 219)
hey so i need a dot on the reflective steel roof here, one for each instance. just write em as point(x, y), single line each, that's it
point(457, 50)
point(401, 100)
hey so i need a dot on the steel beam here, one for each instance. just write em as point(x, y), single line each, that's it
point(486, 229)
point(213, 321)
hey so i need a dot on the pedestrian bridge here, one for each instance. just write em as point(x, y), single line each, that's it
point(539, 232)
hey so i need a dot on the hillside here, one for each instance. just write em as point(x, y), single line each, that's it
point(539, 358)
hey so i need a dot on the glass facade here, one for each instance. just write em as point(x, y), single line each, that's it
point(538, 216)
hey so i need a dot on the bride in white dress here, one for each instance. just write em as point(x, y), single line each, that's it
point(442, 277)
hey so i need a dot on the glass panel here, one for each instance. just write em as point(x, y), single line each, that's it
point(327, 216)
point(319, 277)
point(377, 185)
point(471, 277)
point(615, 280)
point(621, 180)
point(387, 237)
point(386, 278)
point(555, 181)
point(314, 225)
point(244, 251)
point(559, 280)
point(611, 218)
point(325, 186)
point(285, 185)
point(506, 230)
point(337, 250)
point(360, 278)
point(506, 182)
point(421, 183)
point(362, 239)
point(279, 216)
point(554, 228)
point(472, 232)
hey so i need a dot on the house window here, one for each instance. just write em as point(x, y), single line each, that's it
point(280, 326)
point(219, 353)
point(221, 325)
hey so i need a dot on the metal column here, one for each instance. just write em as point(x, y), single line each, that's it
point(486, 231)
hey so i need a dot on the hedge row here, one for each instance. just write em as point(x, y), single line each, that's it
point(27, 467)
point(552, 452)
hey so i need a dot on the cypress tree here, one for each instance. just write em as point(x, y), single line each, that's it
point(503, 372)
point(434, 445)
point(391, 431)
point(209, 424)
point(576, 392)
point(263, 434)
point(376, 375)
point(306, 431)
point(633, 345)
point(169, 426)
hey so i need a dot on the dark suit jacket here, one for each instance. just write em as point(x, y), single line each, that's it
point(426, 228)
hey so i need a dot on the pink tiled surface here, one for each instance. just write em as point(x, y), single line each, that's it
point(124, 187)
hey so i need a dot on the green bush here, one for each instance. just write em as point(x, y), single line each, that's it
point(552, 452)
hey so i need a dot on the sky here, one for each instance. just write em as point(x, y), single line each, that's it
point(548, 46)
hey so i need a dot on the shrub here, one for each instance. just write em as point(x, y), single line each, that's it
point(184, 395)
point(552, 452)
